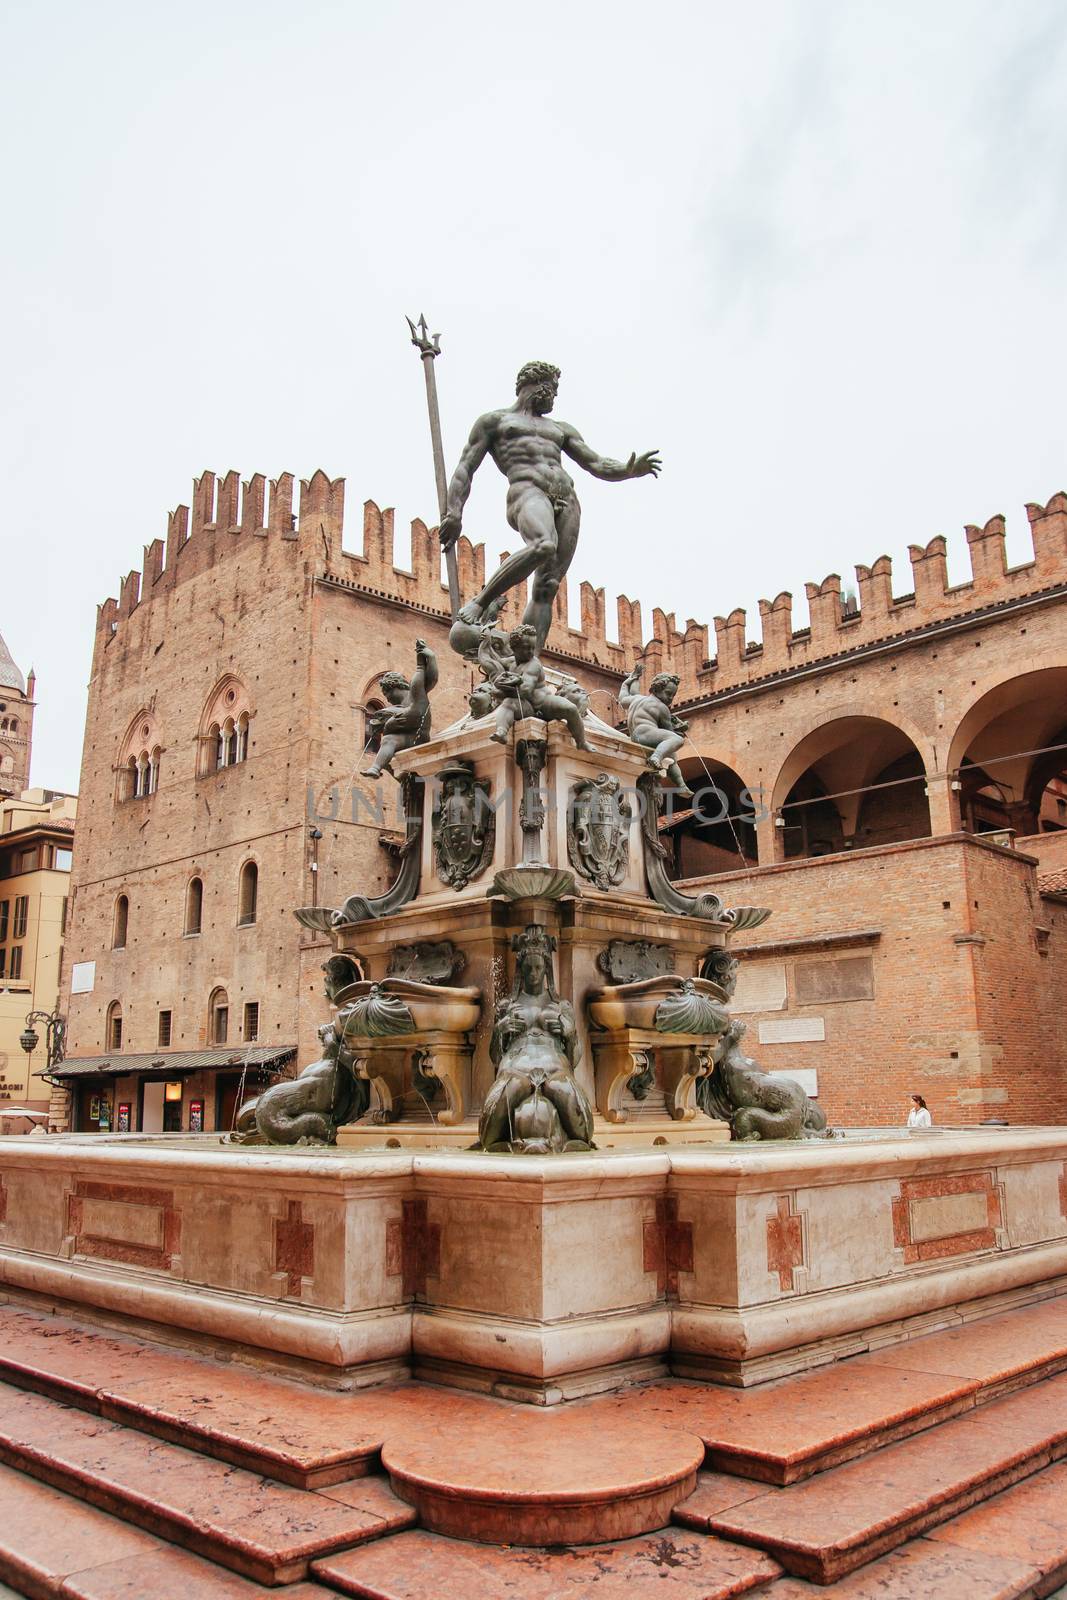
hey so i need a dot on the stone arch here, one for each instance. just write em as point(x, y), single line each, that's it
point(715, 831)
point(852, 781)
point(1007, 759)
point(120, 924)
point(194, 905)
point(218, 1015)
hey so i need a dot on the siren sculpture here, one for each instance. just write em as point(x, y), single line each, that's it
point(535, 1105)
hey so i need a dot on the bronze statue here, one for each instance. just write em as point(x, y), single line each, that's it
point(651, 722)
point(535, 1105)
point(522, 690)
point(310, 1109)
point(406, 720)
point(757, 1104)
point(541, 506)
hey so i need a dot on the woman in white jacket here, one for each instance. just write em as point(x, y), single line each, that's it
point(919, 1114)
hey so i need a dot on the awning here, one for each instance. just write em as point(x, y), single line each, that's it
point(170, 1063)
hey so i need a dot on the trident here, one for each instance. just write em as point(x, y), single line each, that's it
point(429, 348)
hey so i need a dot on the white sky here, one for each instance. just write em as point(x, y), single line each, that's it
point(814, 252)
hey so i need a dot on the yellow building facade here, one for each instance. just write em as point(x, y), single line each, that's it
point(36, 845)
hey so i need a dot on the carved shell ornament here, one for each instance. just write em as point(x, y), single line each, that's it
point(691, 1012)
point(376, 1015)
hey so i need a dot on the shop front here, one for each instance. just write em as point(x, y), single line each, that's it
point(179, 1091)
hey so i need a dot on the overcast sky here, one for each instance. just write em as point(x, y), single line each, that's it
point(813, 252)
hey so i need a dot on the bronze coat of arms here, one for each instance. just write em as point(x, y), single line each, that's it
point(598, 830)
point(464, 826)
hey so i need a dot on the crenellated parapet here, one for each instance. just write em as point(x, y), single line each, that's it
point(226, 513)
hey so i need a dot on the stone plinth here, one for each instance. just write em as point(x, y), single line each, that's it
point(541, 1278)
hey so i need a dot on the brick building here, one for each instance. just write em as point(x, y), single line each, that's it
point(908, 751)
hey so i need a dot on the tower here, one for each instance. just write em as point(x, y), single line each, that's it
point(16, 725)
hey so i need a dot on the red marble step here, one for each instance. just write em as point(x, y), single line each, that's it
point(266, 1531)
point(669, 1566)
point(832, 1524)
point(1009, 1548)
point(290, 1431)
point(786, 1431)
point(51, 1545)
point(1000, 1353)
point(550, 1478)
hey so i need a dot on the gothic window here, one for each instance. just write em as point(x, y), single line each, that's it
point(140, 759)
point(218, 1017)
point(114, 1026)
point(224, 727)
point(121, 923)
point(194, 905)
point(248, 894)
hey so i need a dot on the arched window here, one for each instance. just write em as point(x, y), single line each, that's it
point(224, 727)
point(140, 758)
point(194, 905)
point(113, 1036)
point(248, 894)
point(121, 923)
point(218, 1021)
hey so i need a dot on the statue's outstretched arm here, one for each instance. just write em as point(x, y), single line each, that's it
point(474, 453)
point(629, 688)
point(601, 466)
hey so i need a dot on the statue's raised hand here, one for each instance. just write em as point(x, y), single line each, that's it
point(644, 466)
point(450, 530)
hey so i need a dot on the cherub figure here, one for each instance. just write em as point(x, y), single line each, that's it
point(406, 720)
point(651, 722)
point(522, 690)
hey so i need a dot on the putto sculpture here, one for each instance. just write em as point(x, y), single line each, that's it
point(651, 722)
point(521, 689)
point(405, 722)
point(528, 446)
point(535, 1105)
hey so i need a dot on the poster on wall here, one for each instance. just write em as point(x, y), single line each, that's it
point(123, 1124)
point(105, 1114)
point(196, 1116)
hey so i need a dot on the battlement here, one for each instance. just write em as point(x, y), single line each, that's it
point(226, 512)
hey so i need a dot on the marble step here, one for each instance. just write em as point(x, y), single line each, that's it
point(286, 1430)
point(832, 1524)
point(51, 1544)
point(786, 1431)
point(550, 1478)
point(266, 1531)
point(670, 1565)
point(1012, 1547)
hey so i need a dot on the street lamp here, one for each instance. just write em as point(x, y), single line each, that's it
point(55, 1030)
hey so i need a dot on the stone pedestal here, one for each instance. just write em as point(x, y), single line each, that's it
point(511, 836)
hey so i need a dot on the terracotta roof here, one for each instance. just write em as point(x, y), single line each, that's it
point(1053, 882)
point(169, 1063)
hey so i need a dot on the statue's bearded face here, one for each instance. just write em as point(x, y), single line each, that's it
point(543, 397)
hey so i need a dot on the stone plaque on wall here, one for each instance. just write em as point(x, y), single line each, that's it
point(760, 986)
point(807, 1077)
point(792, 1030)
point(834, 979)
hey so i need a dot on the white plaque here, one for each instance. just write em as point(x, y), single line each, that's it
point(82, 977)
point(760, 987)
point(807, 1077)
point(792, 1030)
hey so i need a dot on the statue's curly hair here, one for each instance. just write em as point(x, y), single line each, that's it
point(523, 634)
point(662, 679)
point(393, 680)
point(535, 372)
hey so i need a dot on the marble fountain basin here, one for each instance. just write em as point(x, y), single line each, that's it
point(665, 1004)
point(398, 1006)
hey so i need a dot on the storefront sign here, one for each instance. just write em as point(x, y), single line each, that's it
point(123, 1124)
point(196, 1116)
